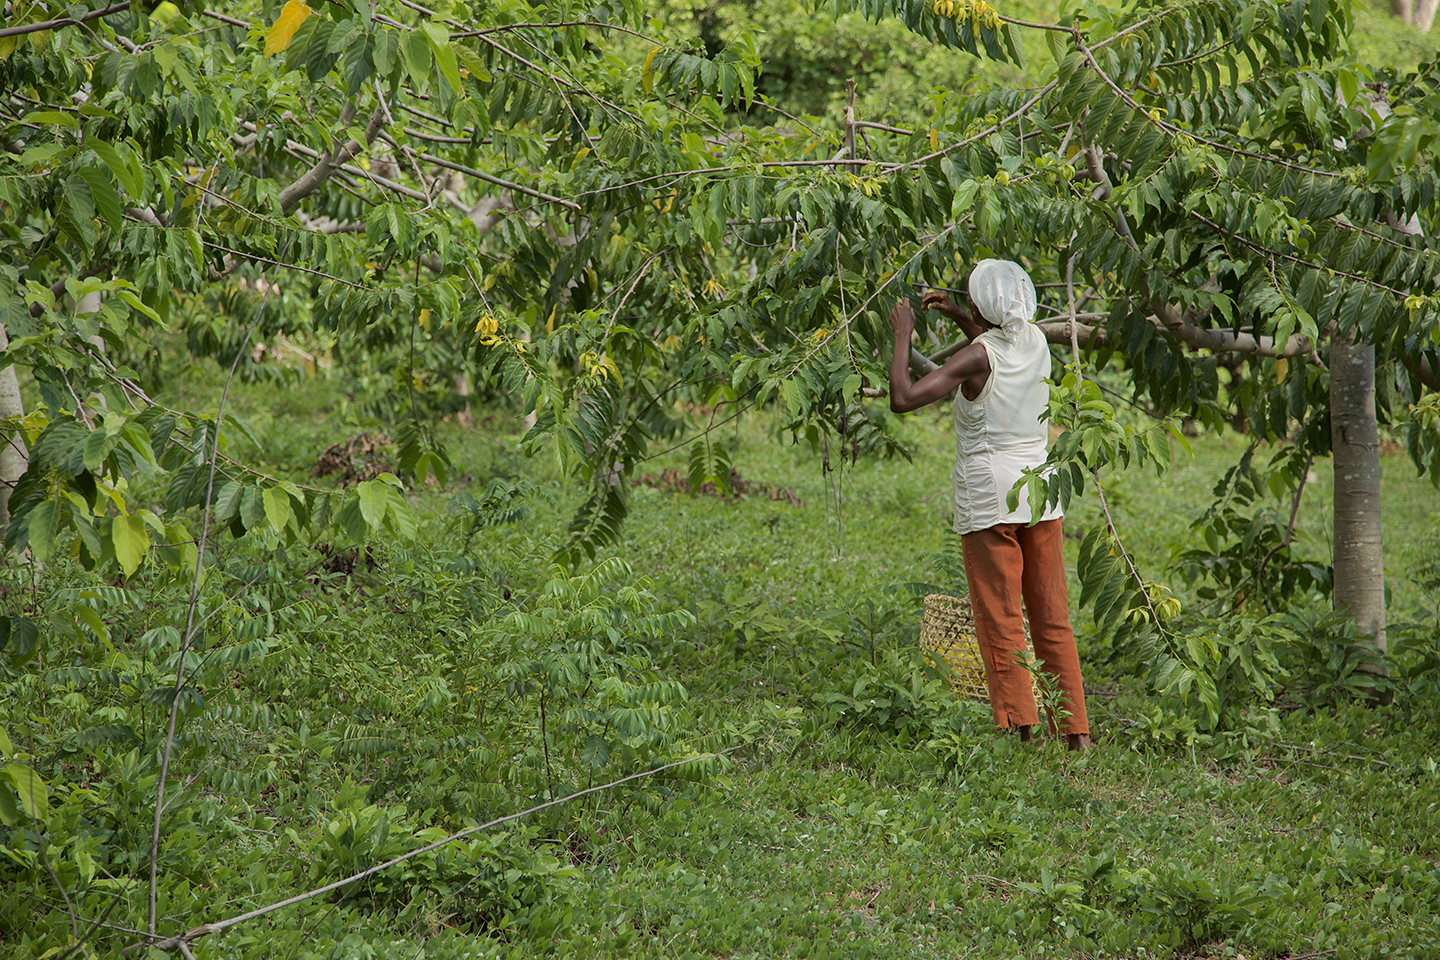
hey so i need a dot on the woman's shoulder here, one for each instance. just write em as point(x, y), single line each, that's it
point(1030, 339)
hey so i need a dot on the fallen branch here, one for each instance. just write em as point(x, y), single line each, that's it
point(181, 942)
point(190, 626)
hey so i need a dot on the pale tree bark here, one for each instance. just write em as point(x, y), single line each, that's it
point(1424, 15)
point(14, 457)
point(1355, 440)
point(1418, 13)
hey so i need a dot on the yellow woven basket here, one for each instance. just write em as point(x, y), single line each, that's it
point(947, 628)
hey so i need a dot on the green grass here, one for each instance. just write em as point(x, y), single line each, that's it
point(893, 834)
point(866, 812)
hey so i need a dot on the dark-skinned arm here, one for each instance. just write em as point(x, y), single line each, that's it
point(970, 366)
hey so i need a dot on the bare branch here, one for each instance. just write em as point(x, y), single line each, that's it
point(174, 943)
point(190, 627)
point(921, 364)
point(224, 19)
point(490, 178)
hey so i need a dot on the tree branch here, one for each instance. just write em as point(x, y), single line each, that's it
point(63, 21)
point(311, 180)
point(1176, 131)
point(174, 943)
point(489, 178)
point(1174, 322)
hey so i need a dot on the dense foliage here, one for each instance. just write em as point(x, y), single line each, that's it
point(626, 226)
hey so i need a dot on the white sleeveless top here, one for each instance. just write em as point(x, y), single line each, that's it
point(1000, 433)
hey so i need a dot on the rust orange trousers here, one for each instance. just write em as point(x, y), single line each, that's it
point(1005, 564)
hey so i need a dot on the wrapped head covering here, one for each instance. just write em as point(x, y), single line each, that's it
point(1004, 294)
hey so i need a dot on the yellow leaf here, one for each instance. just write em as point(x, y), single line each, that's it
point(645, 79)
point(1282, 367)
point(282, 31)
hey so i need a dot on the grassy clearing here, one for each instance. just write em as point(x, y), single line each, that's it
point(867, 813)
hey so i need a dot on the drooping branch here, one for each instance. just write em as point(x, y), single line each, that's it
point(1176, 131)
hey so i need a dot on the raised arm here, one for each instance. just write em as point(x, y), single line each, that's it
point(968, 368)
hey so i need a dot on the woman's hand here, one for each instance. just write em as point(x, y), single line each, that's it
point(902, 320)
point(940, 300)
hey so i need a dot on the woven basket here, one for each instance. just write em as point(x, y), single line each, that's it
point(948, 629)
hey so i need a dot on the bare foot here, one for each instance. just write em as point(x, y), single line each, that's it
point(1078, 741)
point(1025, 733)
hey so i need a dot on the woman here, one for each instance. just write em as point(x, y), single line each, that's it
point(1000, 378)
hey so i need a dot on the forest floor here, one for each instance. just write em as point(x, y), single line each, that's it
point(865, 812)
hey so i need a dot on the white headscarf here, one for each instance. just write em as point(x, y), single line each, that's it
point(1004, 294)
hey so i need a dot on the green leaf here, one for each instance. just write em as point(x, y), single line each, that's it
point(97, 447)
point(415, 48)
point(252, 507)
point(53, 118)
point(9, 811)
point(227, 501)
point(400, 513)
point(21, 635)
point(34, 796)
point(44, 520)
point(352, 521)
point(596, 752)
point(107, 201)
point(444, 55)
point(964, 197)
point(277, 508)
point(373, 497)
point(136, 304)
point(131, 538)
point(387, 51)
point(359, 64)
point(472, 62)
point(118, 168)
point(92, 620)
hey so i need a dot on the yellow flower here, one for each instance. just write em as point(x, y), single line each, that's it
point(488, 326)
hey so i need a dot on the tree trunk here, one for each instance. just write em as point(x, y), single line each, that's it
point(1355, 440)
point(14, 457)
point(1424, 15)
point(1402, 9)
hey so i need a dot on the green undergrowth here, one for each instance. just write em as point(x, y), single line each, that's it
point(353, 704)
